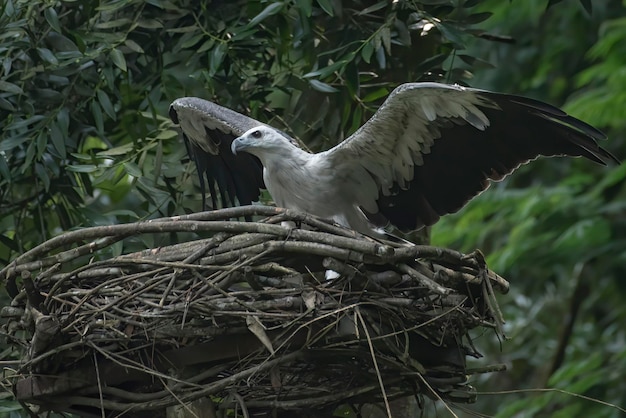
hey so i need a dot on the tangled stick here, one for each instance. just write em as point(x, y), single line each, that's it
point(243, 316)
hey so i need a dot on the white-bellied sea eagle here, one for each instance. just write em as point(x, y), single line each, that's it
point(425, 153)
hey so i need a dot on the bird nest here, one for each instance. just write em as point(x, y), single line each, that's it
point(244, 317)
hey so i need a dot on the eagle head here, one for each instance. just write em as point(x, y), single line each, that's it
point(262, 138)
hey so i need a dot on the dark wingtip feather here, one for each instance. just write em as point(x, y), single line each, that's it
point(464, 160)
point(232, 178)
point(566, 127)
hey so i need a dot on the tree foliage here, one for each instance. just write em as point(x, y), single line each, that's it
point(556, 228)
point(85, 87)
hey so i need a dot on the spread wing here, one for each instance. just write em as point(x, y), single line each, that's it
point(208, 130)
point(431, 147)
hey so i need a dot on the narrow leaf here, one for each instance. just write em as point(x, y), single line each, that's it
point(53, 20)
point(381, 58)
point(326, 71)
point(118, 59)
point(82, 168)
point(96, 111)
point(132, 169)
point(106, 104)
point(373, 8)
point(270, 10)
point(12, 142)
point(367, 51)
point(6, 105)
point(478, 17)
point(121, 150)
point(58, 140)
point(5, 172)
point(47, 56)
point(216, 58)
point(306, 6)
point(42, 174)
point(375, 95)
point(327, 6)
point(385, 34)
point(133, 46)
point(158, 161)
point(323, 87)
point(63, 118)
point(10, 87)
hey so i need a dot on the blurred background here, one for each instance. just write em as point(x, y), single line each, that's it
point(85, 140)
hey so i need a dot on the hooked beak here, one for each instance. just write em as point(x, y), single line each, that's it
point(240, 144)
point(237, 145)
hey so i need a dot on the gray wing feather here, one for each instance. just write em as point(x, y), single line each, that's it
point(431, 147)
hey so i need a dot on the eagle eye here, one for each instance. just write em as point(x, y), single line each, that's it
point(256, 134)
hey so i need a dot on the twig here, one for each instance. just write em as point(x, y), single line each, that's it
point(357, 313)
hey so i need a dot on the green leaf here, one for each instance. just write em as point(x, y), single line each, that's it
point(112, 24)
point(373, 8)
point(327, 6)
point(82, 168)
point(478, 17)
point(6, 105)
point(18, 124)
point(118, 59)
point(158, 161)
point(191, 40)
point(381, 58)
point(375, 95)
point(10, 87)
point(48, 95)
point(53, 20)
point(385, 35)
point(166, 134)
point(306, 6)
point(206, 45)
point(9, 9)
point(216, 57)
point(106, 104)
point(12, 142)
point(121, 150)
point(475, 62)
point(133, 169)
point(58, 140)
point(149, 24)
point(42, 175)
point(5, 171)
point(367, 51)
point(133, 46)
point(432, 62)
point(270, 10)
point(47, 56)
point(96, 112)
point(352, 79)
point(452, 33)
point(326, 71)
point(323, 87)
point(63, 118)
